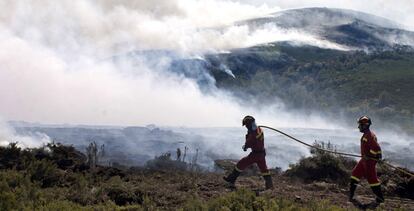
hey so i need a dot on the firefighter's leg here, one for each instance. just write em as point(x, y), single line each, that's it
point(261, 163)
point(245, 162)
point(352, 187)
point(373, 180)
point(378, 193)
point(231, 178)
point(240, 166)
point(357, 174)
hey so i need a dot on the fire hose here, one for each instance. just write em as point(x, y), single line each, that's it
point(335, 152)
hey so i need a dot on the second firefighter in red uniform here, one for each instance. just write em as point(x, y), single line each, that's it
point(371, 154)
point(254, 141)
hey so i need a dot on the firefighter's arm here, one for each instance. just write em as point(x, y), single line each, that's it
point(375, 154)
point(249, 142)
point(244, 147)
point(374, 150)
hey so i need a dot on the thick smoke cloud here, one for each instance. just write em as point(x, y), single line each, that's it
point(57, 66)
point(110, 26)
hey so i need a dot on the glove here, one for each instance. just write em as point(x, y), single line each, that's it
point(379, 156)
point(376, 157)
point(244, 148)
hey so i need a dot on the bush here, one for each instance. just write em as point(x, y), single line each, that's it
point(405, 188)
point(65, 156)
point(81, 191)
point(45, 172)
point(322, 166)
point(33, 179)
point(9, 156)
point(164, 162)
point(18, 192)
point(7, 197)
point(123, 193)
point(396, 182)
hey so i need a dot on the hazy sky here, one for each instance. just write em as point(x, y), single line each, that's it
point(54, 66)
point(397, 10)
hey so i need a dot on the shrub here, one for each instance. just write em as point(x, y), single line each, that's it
point(164, 162)
point(45, 172)
point(9, 156)
point(396, 182)
point(405, 188)
point(7, 197)
point(25, 194)
point(66, 156)
point(322, 166)
point(80, 191)
point(123, 193)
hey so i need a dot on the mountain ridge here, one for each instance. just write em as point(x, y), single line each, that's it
point(324, 22)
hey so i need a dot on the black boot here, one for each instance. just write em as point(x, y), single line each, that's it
point(268, 181)
point(378, 193)
point(352, 188)
point(231, 178)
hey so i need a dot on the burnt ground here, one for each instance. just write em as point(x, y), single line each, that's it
point(171, 189)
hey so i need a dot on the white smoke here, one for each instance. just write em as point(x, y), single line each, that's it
point(108, 26)
point(55, 66)
point(9, 135)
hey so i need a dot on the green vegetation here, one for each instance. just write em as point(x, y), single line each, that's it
point(36, 179)
point(56, 177)
point(308, 78)
point(19, 193)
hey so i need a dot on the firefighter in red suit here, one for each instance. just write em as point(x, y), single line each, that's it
point(371, 154)
point(254, 141)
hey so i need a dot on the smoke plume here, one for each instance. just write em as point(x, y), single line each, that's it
point(57, 66)
point(9, 135)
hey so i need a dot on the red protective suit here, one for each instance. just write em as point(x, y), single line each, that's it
point(365, 168)
point(255, 141)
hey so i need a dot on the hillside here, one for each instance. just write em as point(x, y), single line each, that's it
point(354, 29)
point(306, 78)
point(373, 77)
point(310, 78)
